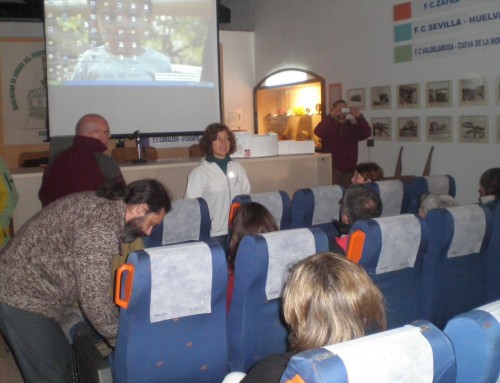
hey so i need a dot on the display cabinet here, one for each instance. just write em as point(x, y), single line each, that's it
point(290, 103)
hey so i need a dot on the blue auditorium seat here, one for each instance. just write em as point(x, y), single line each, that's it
point(492, 289)
point(255, 325)
point(187, 221)
point(419, 352)
point(278, 204)
point(317, 207)
point(421, 186)
point(454, 268)
point(172, 324)
point(391, 250)
point(475, 336)
point(393, 193)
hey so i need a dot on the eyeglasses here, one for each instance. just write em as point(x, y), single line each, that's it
point(222, 139)
point(105, 132)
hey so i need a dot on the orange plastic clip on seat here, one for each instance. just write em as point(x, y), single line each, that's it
point(232, 212)
point(296, 379)
point(355, 247)
point(123, 303)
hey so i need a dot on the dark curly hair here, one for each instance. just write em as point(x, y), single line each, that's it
point(210, 135)
point(490, 182)
point(148, 191)
point(370, 171)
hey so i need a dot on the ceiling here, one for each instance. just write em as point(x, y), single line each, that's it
point(33, 9)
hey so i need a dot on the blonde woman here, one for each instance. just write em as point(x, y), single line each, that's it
point(327, 299)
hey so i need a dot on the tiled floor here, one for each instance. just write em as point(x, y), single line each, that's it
point(9, 372)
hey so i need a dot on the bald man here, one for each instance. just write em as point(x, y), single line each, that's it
point(83, 166)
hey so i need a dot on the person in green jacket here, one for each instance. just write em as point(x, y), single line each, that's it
point(8, 202)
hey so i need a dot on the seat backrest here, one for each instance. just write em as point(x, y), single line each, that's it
point(475, 336)
point(421, 186)
point(441, 184)
point(172, 324)
point(317, 207)
point(393, 194)
point(187, 221)
point(255, 325)
point(419, 352)
point(454, 268)
point(278, 204)
point(391, 250)
point(492, 288)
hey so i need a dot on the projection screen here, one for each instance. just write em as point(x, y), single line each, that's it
point(148, 65)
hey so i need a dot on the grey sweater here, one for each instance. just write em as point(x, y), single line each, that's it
point(63, 255)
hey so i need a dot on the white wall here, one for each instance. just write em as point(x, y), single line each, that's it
point(351, 42)
point(238, 74)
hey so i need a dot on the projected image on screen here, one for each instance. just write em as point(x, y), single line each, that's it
point(126, 40)
point(145, 65)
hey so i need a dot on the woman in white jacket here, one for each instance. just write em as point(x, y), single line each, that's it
point(217, 179)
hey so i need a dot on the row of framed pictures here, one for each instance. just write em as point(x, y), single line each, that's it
point(472, 129)
point(471, 92)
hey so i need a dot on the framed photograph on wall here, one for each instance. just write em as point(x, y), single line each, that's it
point(409, 96)
point(438, 94)
point(381, 127)
point(356, 98)
point(408, 129)
point(473, 91)
point(334, 94)
point(381, 97)
point(439, 129)
point(473, 129)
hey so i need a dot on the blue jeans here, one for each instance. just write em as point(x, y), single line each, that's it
point(42, 351)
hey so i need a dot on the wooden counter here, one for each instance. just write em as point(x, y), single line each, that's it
point(287, 173)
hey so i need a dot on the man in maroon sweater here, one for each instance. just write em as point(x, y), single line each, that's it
point(340, 136)
point(84, 166)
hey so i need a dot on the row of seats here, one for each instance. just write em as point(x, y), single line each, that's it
point(173, 324)
point(432, 268)
point(189, 220)
point(468, 350)
point(319, 206)
point(205, 344)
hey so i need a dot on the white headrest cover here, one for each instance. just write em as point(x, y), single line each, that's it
point(470, 227)
point(391, 194)
point(438, 184)
point(181, 281)
point(182, 222)
point(401, 237)
point(285, 249)
point(399, 355)
point(272, 201)
point(326, 203)
point(493, 309)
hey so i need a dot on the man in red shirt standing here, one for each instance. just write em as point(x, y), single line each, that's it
point(340, 133)
point(83, 166)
